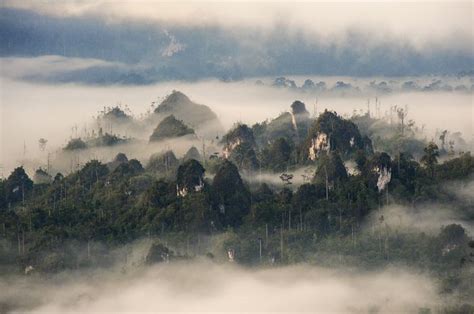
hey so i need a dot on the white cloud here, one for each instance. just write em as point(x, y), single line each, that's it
point(19, 67)
point(208, 288)
point(426, 218)
point(443, 23)
point(173, 47)
point(30, 111)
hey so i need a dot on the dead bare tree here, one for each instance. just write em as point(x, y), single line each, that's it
point(402, 114)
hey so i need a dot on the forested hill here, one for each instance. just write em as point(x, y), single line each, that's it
point(207, 204)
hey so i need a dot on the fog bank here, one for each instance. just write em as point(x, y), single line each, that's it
point(207, 287)
point(33, 111)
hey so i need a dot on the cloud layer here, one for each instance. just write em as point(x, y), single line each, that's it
point(31, 111)
point(206, 287)
point(193, 40)
point(422, 20)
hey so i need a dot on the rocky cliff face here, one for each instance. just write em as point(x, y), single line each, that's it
point(320, 143)
point(292, 125)
point(331, 132)
point(239, 146)
point(240, 134)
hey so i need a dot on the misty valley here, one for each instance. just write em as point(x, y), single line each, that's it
point(305, 201)
point(236, 156)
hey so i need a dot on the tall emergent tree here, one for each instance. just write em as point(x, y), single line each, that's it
point(430, 158)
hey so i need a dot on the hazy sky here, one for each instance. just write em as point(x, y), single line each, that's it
point(419, 21)
point(154, 47)
point(231, 40)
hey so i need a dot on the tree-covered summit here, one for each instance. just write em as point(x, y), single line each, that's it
point(170, 127)
point(197, 116)
point(265, 202)
point(330, 132)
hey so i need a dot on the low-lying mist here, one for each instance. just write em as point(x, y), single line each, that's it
point(428, 218)
point(66, 161)
point(204, 286)
point(300, 176)
point(56, 112)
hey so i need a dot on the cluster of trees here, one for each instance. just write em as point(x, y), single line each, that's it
point(170, 127)
point(51, 223)
point(381, 87)
point(102, 140)
point(126, 201)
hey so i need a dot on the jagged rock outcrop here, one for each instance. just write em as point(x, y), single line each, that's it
point(331, 132)
point(239, 147)
point(292, 125)
point(299, 108)
point(381, 167)
point(299, 117)
point(240, 134)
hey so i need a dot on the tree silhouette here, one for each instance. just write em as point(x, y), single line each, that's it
point(430, 158)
